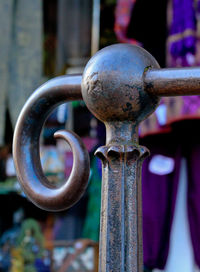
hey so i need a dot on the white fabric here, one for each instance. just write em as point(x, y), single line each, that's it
point(180, 257)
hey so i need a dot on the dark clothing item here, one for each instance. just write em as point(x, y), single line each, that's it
point(160, 191)
point(159, 196)
point(193, 160)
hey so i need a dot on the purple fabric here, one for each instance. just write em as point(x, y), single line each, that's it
point(182, 48)
point(159, 193)
point(184, 19)
point(191, 105)
point(194, 199)
point(159, 196)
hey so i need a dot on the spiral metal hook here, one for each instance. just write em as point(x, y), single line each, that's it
point(26, 147)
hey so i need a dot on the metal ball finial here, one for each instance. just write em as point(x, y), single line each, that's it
point(113, 87)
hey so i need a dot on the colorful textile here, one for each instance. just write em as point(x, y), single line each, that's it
point(184, 28)
point(183, 49)
point(183, 32)
point(122, 20)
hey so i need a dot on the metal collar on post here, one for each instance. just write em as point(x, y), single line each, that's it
point(121, 86)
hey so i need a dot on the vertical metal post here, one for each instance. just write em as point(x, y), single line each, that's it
point(121, 208)
point(112, 88)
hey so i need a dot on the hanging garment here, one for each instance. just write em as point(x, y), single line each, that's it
point(160, 190)
point(193, 163)
point(183, 25)
point(123, 15)
point(20, 54)
point(183, 30)
point(177, 28)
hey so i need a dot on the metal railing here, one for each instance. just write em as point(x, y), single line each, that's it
point(121, 85)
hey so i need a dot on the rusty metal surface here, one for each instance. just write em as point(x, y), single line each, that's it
point(113, 90)
point(112, 85)
point(173, 81)
point(26, 147)
point(121, 85)
point(121, 208)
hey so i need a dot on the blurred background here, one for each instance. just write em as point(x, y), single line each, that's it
point(42, 39)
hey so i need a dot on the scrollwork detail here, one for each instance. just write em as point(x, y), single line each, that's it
point(26, 147)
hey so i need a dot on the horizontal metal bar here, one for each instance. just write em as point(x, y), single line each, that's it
point(173, 81)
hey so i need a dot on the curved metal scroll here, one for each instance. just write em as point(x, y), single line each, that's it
point(26, 147)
